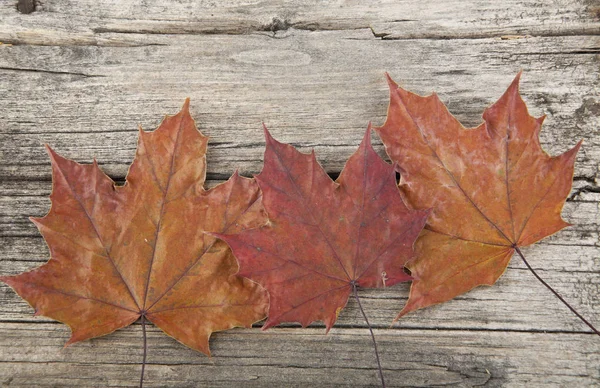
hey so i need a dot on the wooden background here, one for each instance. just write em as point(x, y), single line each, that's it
point(81, 75)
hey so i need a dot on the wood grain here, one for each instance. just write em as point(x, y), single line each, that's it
point(301, 358)
point(82, 75)
point(317, 90)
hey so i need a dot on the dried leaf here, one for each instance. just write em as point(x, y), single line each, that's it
point(491, 189)
point(325, 237)
point(120, 252)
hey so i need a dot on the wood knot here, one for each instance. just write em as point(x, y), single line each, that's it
point(26, 6)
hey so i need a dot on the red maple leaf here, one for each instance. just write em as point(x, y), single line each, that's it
point(324, 238)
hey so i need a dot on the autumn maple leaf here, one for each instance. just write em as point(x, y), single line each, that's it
point(325, 238)
point(492, 189)
point(140, 250)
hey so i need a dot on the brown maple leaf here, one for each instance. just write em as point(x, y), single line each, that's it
point(325, 238)
point(119, 253)
point(492, 189)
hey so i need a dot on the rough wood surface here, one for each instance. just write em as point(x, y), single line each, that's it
point(292, 357)
point(81, 75)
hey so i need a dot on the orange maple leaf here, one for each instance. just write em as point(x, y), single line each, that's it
point(492, 189)
point(119, 253)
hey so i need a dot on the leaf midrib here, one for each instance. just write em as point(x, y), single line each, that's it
point(317, 224)
point(485, 217)
point(161, 214)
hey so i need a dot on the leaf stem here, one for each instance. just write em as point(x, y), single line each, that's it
point(556, 293)
point(145, 350)
point(353, 283)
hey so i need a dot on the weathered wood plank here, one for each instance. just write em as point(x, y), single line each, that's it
point(89, 22)
point(314, 89)
point(296, 357)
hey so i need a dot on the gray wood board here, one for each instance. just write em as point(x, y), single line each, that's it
point(89, 22)
point(317, 90)
point(291, 357)
point(82, 75)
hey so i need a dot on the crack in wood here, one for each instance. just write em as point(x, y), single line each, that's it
point(50, 72)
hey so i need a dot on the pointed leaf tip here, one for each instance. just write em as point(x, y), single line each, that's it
point(55, 157)
point(269, 139)
point(186, 105)
point(514, 85)
point(577, 146)
point(519, 74)
point(367, 136)
point(540, 120)
point(49, 150)
point(266, 132)
point(391, 83)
